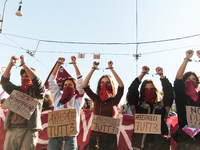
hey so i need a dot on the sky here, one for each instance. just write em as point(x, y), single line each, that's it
point(102, 21)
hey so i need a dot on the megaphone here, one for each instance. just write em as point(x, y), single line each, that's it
point(19, 11)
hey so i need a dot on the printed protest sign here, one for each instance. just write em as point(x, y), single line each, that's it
point(193, 116)
point(105, 124)
point(147, 123)
point(62, 123)
point(21, 104)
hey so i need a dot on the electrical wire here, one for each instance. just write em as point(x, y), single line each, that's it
point(103, 43)
point(139, 55)
point(26, 50)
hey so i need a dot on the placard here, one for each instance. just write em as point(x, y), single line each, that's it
point(62, 123)
point(21, 104)
point(105, 124)
point(147, 123)
point(193, 116)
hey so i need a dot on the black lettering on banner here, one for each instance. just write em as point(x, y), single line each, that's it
point(66, 129)
point(72, 127)
point(193, 110)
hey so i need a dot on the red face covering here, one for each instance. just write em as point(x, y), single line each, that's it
point(68, 93)
point(26, 84)
point(105, 92)
point(190, 90)
point(149, 96)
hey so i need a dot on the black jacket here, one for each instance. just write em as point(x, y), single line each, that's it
point(162, 107)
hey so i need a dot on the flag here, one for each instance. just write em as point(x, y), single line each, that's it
point(61, 76)
point(3, 94)
point(2, 69)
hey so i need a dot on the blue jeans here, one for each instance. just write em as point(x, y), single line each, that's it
point(70, 143)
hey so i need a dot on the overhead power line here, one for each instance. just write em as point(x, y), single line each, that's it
point(105, 43)
point(159, 51)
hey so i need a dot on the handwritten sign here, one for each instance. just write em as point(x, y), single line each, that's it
point(193, 116)
point(21, 104)
point(147, 123)
point(105, 124)
point(62, 123)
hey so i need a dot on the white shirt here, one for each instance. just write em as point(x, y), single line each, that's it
point(56, 95)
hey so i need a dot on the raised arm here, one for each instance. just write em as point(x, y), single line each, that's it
point(110, 65)
point(59, 62)
point(145, 70)
point(189, 54)
point(159, 71)
point(13, 61)
point(87, 79)
point(31, 74)
point(73, 58)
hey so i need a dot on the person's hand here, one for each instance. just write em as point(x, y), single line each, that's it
point(145, 69)
point(159, 70)
point(189, 54)
point(96, 64)
point(73, 58)
point(198, 53)
point(110, 64)
point(13, 60)
point(22, 59)
point(61, 60)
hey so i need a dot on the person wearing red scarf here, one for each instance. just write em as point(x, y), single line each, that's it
point(68, 96)
point(149, 101)
point(23, 133)
point(185, 88)
point(105, 102)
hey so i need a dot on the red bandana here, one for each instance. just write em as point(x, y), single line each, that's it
point(149, 96)
point(105, 92)
point(190, 90)
point(68, 93)
point(26, 84)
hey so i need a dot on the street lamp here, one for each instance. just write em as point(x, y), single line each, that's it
point(1, 19)
point(19, 11)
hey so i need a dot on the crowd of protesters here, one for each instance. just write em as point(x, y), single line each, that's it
point(22, 134)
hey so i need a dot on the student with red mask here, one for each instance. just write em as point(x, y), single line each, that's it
point(186, 94)
point(70, 98)
point(149, 101)
point(104, 103)
point(23, 133)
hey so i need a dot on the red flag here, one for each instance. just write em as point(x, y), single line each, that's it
point(61, 76)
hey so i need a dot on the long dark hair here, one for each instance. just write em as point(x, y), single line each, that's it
point(189, 73)
point(142, 89)
point(111, 83)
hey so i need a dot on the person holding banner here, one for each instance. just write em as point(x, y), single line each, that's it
point(185, 87)
point(146, 106)
point(70, 98)
point(23, 133)
point(105, 102)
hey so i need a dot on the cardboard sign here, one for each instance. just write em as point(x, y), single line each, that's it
point(21, 104)
point(62, 123)
point(147, 123)
point(105, 124)
point(193, 116)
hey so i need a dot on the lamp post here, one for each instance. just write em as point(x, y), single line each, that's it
point(18, 13)
point(1, 19)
